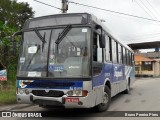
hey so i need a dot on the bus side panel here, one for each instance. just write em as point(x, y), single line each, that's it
point(119, 79)
point(107, 71)
point(98, 82)
point(115, 74)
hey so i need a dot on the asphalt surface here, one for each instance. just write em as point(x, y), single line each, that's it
point(144, 97)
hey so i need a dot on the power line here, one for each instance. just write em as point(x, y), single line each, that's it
point(47, 4)
point(148, 8)
point(153, 7)
point(143, 8)
point(114, 11)
point(100, 9)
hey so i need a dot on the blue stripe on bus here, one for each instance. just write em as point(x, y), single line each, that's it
point(50, 84)
point(113, 72)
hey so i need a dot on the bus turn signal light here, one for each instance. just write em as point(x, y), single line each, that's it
point(84, 93)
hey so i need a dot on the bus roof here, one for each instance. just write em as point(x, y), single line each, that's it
point(57, 19)
point(78, 19)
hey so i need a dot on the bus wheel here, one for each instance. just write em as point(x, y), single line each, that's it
point(106, 101)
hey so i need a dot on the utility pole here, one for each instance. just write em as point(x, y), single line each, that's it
point(64, 6)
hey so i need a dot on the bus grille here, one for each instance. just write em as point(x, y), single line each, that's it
point(51, 93)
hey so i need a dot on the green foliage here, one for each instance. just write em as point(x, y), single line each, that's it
point(7, 96)
point(12, 18)
point(6, 33)
point(15, 14)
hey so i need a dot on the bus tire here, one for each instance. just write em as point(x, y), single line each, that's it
point(102, 107)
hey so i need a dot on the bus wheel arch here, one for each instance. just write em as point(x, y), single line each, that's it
point(128, 85)
point(108, 84)
point(102, 107)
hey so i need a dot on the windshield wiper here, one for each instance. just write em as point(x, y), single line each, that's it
point(39, 35)
point(63, 34)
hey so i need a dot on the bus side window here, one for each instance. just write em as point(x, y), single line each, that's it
point(108, 49)
point(119, 53)
point(130, 58)
point(97, 51)
point(110, 44)
point(114, 51)
point(127, 58)
point(97, 55)
point(124, 55)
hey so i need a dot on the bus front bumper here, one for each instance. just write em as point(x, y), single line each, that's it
point(67, 102)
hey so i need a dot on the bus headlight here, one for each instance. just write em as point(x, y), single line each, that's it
point(77, 93)
point(21, 91)
point(70, 93)
point(26, 91)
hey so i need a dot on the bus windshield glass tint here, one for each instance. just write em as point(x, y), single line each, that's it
point(69, 58)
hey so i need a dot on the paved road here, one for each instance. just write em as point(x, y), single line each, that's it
point(144, 96)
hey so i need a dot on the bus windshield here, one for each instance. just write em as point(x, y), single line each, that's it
point(41, 56)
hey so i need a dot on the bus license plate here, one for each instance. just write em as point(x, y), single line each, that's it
point(71, 99)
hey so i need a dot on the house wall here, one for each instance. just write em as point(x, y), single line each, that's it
point(156, 69)
point(154, 72)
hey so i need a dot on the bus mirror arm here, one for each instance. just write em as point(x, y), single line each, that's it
point(14, 41)
point(102, 36)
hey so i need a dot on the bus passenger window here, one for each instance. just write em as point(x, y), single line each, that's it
point(97, 51)
point(124, 56)
point(119, 53)
point(130, 58)
point(108, 52)
point(127, 58)
point(97, 56)
point(114, 51)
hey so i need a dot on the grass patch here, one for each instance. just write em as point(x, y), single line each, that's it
point(7, 94)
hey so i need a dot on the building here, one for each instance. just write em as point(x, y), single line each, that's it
point(147, 64)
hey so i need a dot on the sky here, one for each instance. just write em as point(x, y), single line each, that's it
point(128, 29)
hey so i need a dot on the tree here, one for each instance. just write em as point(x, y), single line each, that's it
point(15, 14)
point(12, 18)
